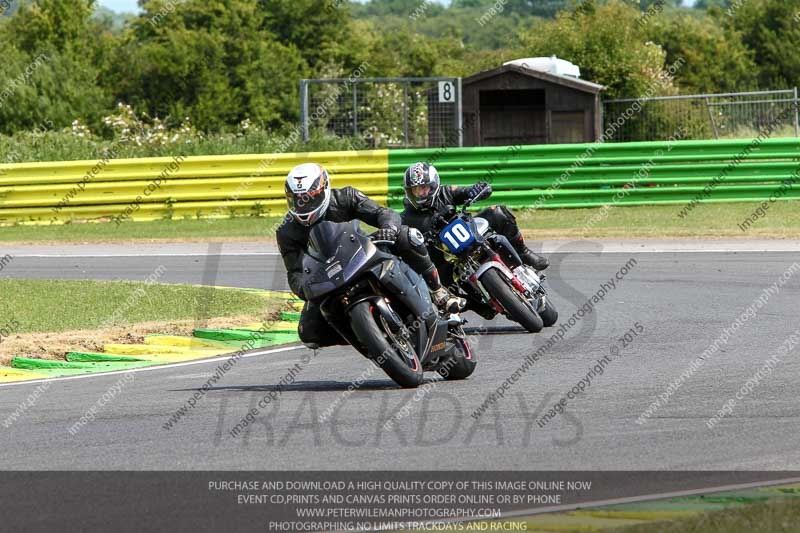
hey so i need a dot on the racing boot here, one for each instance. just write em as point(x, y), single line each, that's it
point(538, 262)
point(440, 295)
point(446, 301)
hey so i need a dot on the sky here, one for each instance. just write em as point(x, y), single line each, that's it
point(120, 6)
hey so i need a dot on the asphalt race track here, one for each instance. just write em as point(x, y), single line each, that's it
point(682, 302)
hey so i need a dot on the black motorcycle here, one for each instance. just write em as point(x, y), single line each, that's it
point(488, 272)
point(382, 307)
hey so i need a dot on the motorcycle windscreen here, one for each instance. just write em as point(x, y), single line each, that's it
point(336, 253)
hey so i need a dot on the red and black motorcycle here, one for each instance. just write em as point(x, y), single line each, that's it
point(488, 272)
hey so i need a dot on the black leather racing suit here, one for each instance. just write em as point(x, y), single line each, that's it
point(346, 204)
point(499, 217)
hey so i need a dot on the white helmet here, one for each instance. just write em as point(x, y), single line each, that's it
point(308, 193)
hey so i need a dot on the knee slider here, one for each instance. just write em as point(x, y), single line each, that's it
point(505, 212)
point(415, 237)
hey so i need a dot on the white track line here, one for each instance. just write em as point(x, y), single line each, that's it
point(649, 497)
point(629, 499)
point(546, 247)
point(143, 254)
point(216, 359)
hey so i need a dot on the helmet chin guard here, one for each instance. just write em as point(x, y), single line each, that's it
point(308, 193)
point(421, 184)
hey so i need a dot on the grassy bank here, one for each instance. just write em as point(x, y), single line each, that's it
point(781, 221)
point(45, 318)
point(59, 305)
point(778, 516)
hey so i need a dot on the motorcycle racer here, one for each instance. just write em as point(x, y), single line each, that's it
point(425, 196)
point(311, 199)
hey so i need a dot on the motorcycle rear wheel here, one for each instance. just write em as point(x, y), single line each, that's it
point(387, 356)
point(514, 303)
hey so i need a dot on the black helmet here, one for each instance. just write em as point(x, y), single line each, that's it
point(421, 183)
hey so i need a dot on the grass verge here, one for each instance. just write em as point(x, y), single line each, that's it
point(777, 516)
point(718, 220)
point(155, 231)
point(46, 318)
point(781, 221)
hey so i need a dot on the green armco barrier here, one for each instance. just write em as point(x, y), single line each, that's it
point(591, 175)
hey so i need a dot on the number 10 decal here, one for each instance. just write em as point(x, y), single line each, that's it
point(456, 236)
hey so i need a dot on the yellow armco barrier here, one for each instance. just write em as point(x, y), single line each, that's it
point(173, 187)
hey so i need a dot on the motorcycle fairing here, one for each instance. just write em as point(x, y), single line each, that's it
point(337, 253)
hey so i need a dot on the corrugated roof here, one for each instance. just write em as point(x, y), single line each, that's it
point(566, 81)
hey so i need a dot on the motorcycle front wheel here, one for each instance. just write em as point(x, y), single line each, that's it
point(400, 363)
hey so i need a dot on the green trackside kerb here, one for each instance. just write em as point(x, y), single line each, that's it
point(592, 175)
point(78, 362)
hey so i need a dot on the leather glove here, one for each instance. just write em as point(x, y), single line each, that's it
point(386, 233)
point(481, 189)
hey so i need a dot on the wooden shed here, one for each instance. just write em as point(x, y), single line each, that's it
point(513, 104)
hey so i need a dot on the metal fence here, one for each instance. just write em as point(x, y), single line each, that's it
point(702, 116)
point(384, 112)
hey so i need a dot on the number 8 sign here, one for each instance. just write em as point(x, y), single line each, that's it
point(456, 236)
point(447, 92)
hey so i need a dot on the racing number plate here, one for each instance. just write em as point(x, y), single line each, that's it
point(456, 236)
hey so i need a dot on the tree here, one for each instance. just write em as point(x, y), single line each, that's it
point(609, 46)
point(317, 28)
point(716, 60)
point(52, 53)
point(52, 24)
point(214, 62)
point(770, 29)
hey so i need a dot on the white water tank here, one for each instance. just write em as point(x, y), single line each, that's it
point(551, 65)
